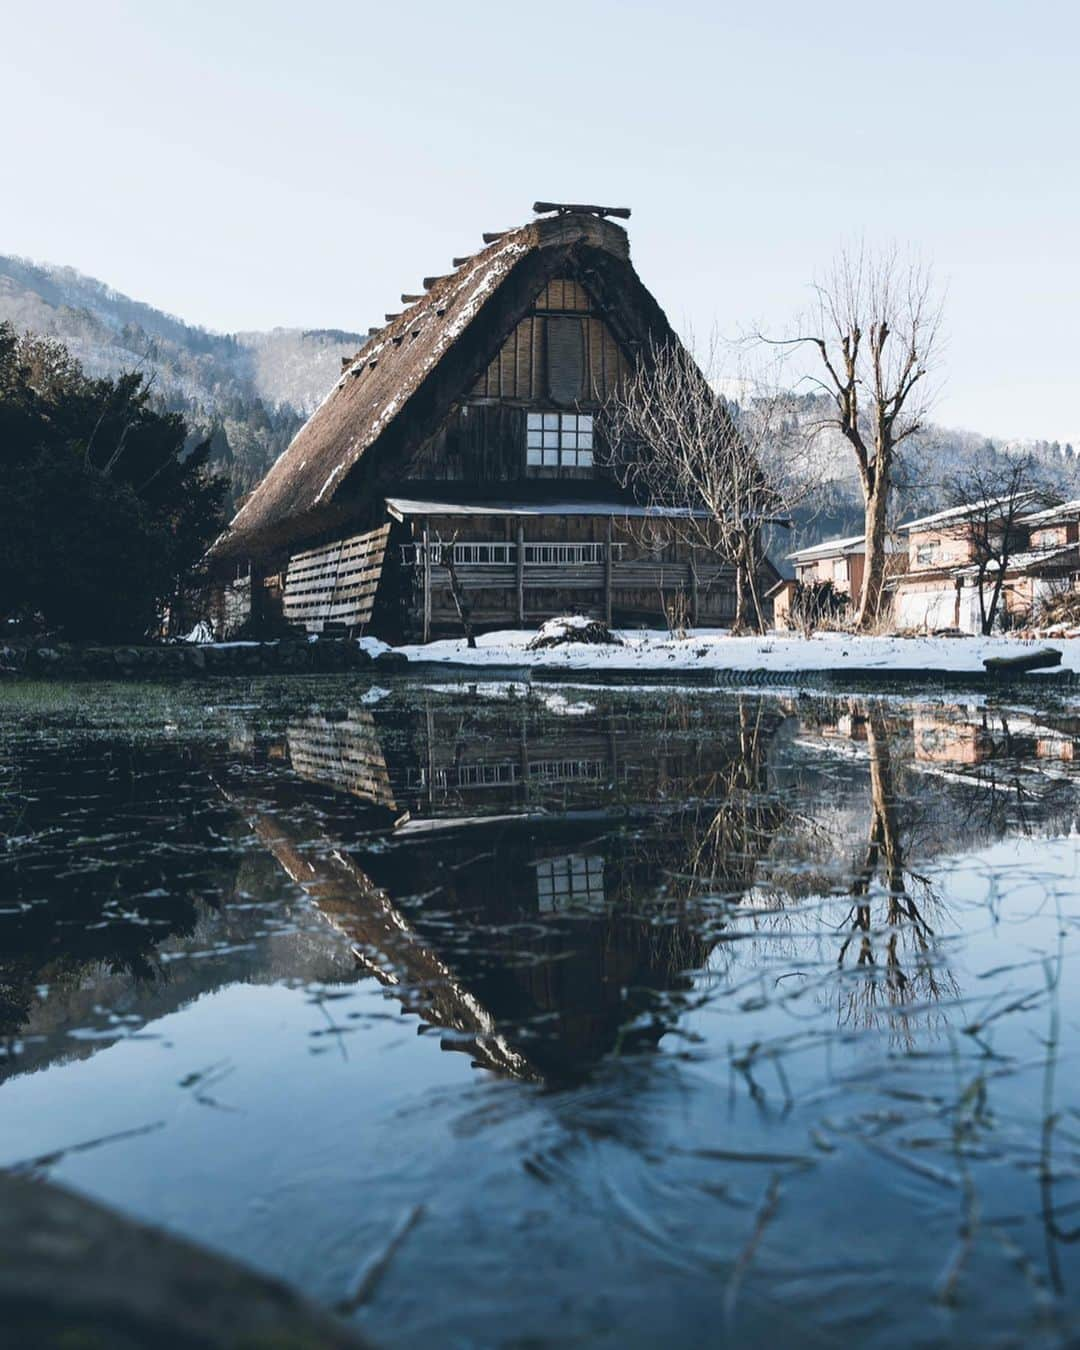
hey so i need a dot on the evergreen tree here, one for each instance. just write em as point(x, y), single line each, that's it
point(105, 510)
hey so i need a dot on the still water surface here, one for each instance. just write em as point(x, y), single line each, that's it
point(563, 1017)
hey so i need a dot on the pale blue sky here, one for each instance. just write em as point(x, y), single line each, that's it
point(251, 164)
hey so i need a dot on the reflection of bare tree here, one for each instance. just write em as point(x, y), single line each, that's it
point(725, 835)
point(904, 914)
point(1056, 1234)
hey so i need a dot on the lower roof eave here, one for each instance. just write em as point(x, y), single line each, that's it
point(402, 508)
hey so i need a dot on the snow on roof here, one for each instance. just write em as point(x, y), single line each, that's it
point(1063, 511)
point(855, 543)
point(959, 513)
point(852, 544)
point(401, 507)
point(1017, 562)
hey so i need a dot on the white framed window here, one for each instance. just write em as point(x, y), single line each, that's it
point(839, 572)
point(559, 440)
point(928, 551)
point(572, 879)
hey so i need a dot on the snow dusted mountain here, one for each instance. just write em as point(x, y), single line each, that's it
point(250, 391)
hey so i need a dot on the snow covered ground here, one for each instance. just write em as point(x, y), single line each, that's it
point(713, 649)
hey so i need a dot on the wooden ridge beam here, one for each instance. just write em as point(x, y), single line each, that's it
point(581, 209)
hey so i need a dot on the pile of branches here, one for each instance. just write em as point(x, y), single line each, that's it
point(1061, 610)
point(573, 628)
point(819, 605)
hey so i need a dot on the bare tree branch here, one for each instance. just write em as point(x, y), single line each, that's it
point(719, 467)
point(875, 327)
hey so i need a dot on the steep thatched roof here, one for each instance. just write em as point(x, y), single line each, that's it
point(405, 379)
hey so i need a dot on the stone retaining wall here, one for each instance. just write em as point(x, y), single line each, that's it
point(69, 661)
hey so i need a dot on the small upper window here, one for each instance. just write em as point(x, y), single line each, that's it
point(927, 553)
point(839, 571)
point(559, 440)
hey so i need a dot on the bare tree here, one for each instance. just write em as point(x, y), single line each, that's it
point(992, 492)
point(718, 469)
point(876, 327)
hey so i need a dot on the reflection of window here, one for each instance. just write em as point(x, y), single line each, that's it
point(927, 553)
point(570, 879)
point(555, 440)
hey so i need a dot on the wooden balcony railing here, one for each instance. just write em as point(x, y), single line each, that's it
point(501, 553)
point(518, 569)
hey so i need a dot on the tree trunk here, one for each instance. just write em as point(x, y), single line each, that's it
point(873, 586)
point(457, 591)
point(995, 598)
point(740, 598)
point(984, 622)
point(752, 580)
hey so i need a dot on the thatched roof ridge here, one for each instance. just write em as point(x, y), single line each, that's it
point(303, 491)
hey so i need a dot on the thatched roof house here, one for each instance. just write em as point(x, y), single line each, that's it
point(481, 393)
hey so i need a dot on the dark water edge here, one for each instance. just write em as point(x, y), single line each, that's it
point(557, 1016)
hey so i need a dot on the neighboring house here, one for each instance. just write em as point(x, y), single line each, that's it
point(930, 594)
point(1054, 527)
point(840, 561)
point(1052, 564)
point(459, 458)
point(940, 588)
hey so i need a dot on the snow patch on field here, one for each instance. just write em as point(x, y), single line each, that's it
point(716, 649)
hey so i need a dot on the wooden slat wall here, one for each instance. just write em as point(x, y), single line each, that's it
point(336, 584)
point(346, 756)
point(564, 293)
point(518, 371)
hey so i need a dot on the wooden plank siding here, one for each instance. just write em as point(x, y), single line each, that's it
point(336, 583)
point(625, 582)
point(485, 443)
point(344, 755)
point(519, 372)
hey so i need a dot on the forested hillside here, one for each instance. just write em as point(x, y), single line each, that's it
point(249, 392)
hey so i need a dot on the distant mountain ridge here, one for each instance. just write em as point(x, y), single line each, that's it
point(249, 391)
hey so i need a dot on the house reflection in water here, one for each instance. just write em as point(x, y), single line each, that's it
point(538, 879)
point(980, 736)
point(528, 883)
point(342, 754)
point(945, 740)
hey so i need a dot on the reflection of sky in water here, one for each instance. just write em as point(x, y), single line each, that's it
point(704, 1071)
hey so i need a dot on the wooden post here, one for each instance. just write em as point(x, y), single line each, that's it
point(426, 537)
point(429, 720)
point(521, 575)
point(693, 586)
point(523, 760)
point(609, 568)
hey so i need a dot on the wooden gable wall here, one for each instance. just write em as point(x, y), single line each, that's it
point(561, 355)
point(531, 368)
